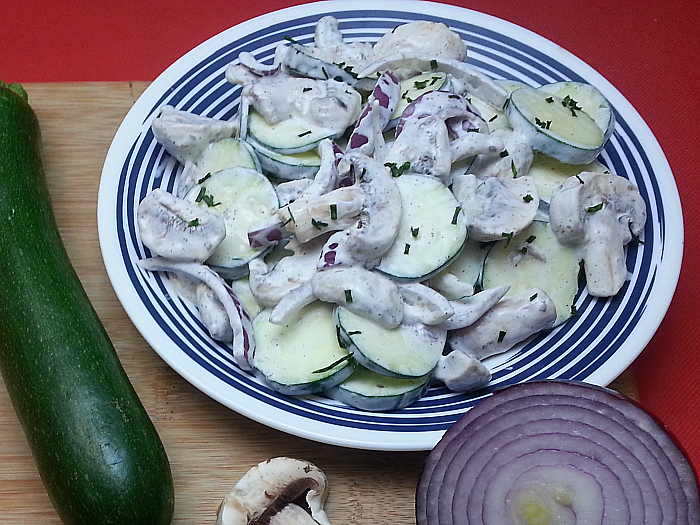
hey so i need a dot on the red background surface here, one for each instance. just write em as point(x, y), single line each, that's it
point(648, 50)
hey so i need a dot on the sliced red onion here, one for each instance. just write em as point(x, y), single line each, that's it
point(542, 447)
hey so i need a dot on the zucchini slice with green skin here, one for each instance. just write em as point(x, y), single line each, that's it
point(536, 259)
point(367, 390)
point(589, 99)
point(302, 356)
point(97, 451)
point(407, 351)
point(227, 153)
point(244, 197)
point(287, 137)
point(293, 166)
point(432, 231)
point(548, 173)
point(554, 126)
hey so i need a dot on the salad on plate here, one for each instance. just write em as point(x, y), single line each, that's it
point(381, 216)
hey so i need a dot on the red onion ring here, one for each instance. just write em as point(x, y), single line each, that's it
point(561, 452)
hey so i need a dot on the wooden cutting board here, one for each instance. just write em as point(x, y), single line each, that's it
point(209, 446)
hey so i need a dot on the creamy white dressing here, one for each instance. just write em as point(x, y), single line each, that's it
point(339, 224)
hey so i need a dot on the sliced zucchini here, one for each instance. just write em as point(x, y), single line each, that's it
point(588, 98)
point(374, 392)
point(554, 126)
point(244, 196)
point(287, 137)
point(549, 173)
point(413, 87)
point(300, 60)
point(432, 231)
point(535, 258)
point(407, 351)
point(303, 356)
point(227, 153)
point(294, 166)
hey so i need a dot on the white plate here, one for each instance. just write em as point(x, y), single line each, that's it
point(596, 346)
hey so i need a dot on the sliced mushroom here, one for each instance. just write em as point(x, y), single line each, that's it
point(495, 207)
point(514, 159)
point(174, 228)
point(429, 38)
point(270, 285)
point(509, 322)
point(469, 309)
point(424, 305)
point(361, 291)
point(425, 145)
point(601, 213)
point(372, 235)
point(461, 372)
point(279, 491)
point(243, 345)
point(185, 135)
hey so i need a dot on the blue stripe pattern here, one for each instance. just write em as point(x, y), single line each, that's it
point(574, 350)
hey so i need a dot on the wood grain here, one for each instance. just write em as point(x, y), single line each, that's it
point(209, 446)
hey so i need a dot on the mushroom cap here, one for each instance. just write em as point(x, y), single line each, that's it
point(268, 488)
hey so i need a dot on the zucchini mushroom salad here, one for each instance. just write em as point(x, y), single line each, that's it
point(380, 216)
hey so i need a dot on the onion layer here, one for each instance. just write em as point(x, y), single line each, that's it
point(557, 453)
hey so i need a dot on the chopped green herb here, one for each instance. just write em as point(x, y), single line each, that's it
point(593, 209)
point(306, 89)
point(528, 198)
point(573, 309)
point(334, 212)
point(404, 94)
point(456, 214)
point(304, 133)
point(397, 171)
point(333, 364)
point(290, 39)
point(493, 118)
point(549, 100)
point(291, 218)
point(501, 336)
point(530, 239)
point(348, 296)
point(319, 225)
point(523, 250)
point(542, 123)
point(434, 79)
point(206, 199)
point(421, 84)
point(414, 231)
point(513, 169)
point(580, 179)
point(433, 64)
point(354, 332)
point(533, 296)
point(503, 154)
point(193, 223)
point(406, 248)
point(570, 104)
point(325, 73)
point(200, 181)
point(508, 236)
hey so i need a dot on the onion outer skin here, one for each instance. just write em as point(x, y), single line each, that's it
point(660, 484)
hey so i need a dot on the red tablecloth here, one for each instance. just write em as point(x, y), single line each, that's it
point(648, 50)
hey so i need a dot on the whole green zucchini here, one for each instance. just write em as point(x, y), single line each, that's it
point(97, 451)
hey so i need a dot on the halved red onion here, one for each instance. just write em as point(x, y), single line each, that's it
point(557, 452)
